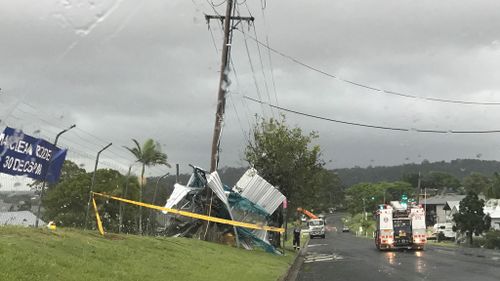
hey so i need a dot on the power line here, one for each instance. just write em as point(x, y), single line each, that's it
point(253, 71)
point(70, 140)
point(75, 133)
point(365, 85)
point(260, 58)
point(263, 7)
point(262, 67)
point(217, 5)
point(494, 131)
point(272, 70)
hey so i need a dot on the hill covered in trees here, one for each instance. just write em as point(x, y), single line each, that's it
point(459, 168)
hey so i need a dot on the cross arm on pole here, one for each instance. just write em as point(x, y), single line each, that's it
point(222, 18)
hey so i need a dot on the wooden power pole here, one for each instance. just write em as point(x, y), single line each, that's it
point(223, 82)
point(221, 97)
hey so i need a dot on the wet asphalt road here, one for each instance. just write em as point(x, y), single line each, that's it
point(342, 256)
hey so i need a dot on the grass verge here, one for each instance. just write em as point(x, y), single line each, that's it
point(69, 254)
point(357, 222)
point(447, 244)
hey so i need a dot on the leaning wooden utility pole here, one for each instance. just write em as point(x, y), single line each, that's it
point(221, 97)
point(223, 82)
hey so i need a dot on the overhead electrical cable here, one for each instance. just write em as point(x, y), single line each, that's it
point(365, 85)
point(75, 133)
point(494, 131)
point(234, 104)
point(217, 5)
point(262, 70)
point(253, 71)
point(266, 86)
point(117, 150)
point(263, 8)
point(256, 84)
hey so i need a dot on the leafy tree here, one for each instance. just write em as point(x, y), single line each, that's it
point(394, 190)
point(68, 170)
point(66, 202)
point(324, 191)
point(441, 181)
point(149, 154)
point(369, 195)
point(470, 218)
point(411, 178)
point(477, 183)
point(363, 196)
point(493, 189)
point(286, 158)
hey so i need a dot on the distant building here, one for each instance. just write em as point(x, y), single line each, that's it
point(451, 208)
point(21, 218)
point(437, 210)
point(439, 213)
point(492, 208)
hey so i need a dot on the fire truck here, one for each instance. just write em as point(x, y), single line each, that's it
point(400, 226)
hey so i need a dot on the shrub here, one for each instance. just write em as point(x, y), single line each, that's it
point(478, 242)
point(441, 237)
point(492, 239)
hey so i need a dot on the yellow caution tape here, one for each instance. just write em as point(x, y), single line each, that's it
point(195, 215)
point(97, 217)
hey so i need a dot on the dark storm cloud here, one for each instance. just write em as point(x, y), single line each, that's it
point(123, 69)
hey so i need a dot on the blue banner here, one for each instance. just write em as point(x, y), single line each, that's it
point(21, 154)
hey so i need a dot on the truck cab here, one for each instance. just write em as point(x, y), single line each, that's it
point(316, 228)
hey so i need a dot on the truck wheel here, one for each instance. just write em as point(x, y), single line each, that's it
point(323, 236)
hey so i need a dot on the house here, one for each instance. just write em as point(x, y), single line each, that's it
point(492, 208)
point(435, 211)
point(21, 218)
point(451, 208)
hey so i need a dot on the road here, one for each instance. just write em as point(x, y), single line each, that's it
point(342, 256)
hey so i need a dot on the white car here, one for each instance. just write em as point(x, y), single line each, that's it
point(445, 228)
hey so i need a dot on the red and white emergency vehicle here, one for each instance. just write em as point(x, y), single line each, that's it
point(400, 227)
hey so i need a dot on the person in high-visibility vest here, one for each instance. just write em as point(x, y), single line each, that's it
point(296, 236)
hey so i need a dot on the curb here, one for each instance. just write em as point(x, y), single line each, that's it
point(471, 252)
point(441, 247)
point(293, 270)
point(480, 253)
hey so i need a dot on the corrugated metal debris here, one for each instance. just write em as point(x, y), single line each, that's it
point(259, 191)
point(252, 200)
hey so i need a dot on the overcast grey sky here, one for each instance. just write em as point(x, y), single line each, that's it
point(127, 69)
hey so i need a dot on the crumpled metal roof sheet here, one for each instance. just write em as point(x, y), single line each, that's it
point(180, 191)
point(259, 191)
point(214, 182)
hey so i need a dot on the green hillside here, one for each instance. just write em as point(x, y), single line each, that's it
point(68, 254)
point(459, 168)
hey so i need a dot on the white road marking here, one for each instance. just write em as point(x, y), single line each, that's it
point(314, 257)
point(315, 245)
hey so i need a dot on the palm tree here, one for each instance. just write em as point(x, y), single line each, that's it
point(149, 154)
